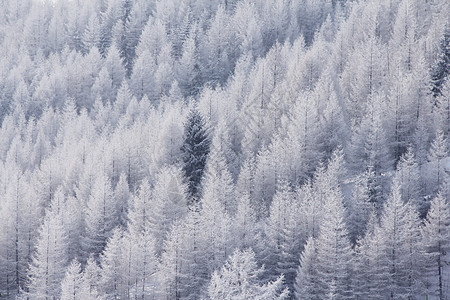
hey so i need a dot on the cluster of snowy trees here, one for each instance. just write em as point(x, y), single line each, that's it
point(224, 149)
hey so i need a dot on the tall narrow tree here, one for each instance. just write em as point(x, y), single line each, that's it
point(50, 259)
point(436, 240)
point(195, 151)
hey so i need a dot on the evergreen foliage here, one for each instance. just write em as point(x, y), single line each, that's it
point(195, 150)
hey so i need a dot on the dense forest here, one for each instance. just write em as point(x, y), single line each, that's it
point(224, 149)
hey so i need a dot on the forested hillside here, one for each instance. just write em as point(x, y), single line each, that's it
point(224, 149)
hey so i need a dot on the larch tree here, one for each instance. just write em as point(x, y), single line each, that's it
point(439, 71)
point(313, 195)
point(334, 253)
point(218, 181)
point(244, 228)
point(187, 71)
point(164, 74)
point(113, 11)
point(358, 207)
point(442, 111)
point(56, 36)
point(181, 271)
point(368, 270)
point(139, 263)
point(91, 277)
point(112, 277)
point(216, 63)
point(408, 177)
point(307, 284)
point(334, 127)
point(122, 101)
point(91, 35)
point(134, 25)
point(435, 239)
point(245, 180)
point(369, 150)
point(153, 38)
point(303, 132)
point(122, 199)
point(35, 29)
point(239, 278)
point(223, 143)
point(438, 151)
point(92, 64)
point(101, 216)
point(248, 28)
point(114, 65)
point(398, 254)
point(50, 258)
point(168, 204)
point(276, 224)
point(73, 286)
point(255, 113)
point(265, 181)
point(73, 219)
point(403, 102)
point(139, 213)
point(170, 135)
point(311, 207)
point(103, 86)
point(75, 25)
point(142, 78)
point(118, 37)
point(14, 238)
point(293, 242)
point(215, 221)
